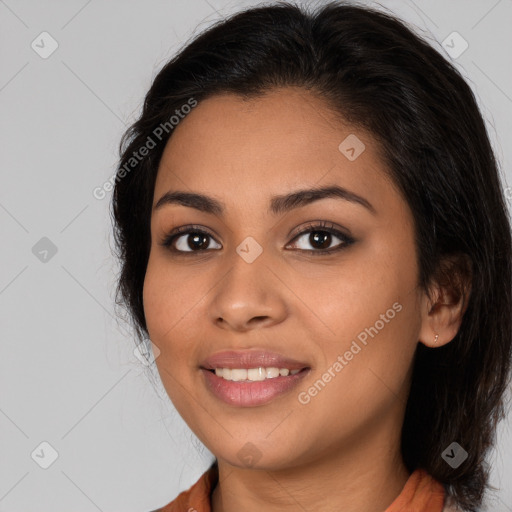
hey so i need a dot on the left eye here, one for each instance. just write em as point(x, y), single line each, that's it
point(320, 238)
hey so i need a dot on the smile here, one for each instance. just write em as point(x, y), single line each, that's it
point(253, 374)
point(241, 387)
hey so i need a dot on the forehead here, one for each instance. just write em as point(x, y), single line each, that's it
point(283, 140)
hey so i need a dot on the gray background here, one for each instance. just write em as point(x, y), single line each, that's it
point(68, 373)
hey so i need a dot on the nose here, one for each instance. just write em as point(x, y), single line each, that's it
point(249, 296)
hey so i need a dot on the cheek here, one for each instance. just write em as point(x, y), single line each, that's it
point(373, 311)
point(345, 299)
point(372, 300)
point(166, 304)
point(155, 301)
point(364, 374)
point(175, 306)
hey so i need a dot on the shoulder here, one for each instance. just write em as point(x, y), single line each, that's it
point(197, 497)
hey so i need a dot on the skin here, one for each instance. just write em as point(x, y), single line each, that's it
point(340, 451)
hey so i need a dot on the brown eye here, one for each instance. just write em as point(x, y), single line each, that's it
point(192, 241)
point(317, 239)
point(189, 240)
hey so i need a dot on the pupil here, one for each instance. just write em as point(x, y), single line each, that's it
point(324, 240)
point(198, 241)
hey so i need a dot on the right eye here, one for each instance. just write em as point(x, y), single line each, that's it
point(188, 239)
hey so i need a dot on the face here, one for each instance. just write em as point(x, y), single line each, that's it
point(326, 281)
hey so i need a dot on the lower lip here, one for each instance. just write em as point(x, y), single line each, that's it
point(251, 394)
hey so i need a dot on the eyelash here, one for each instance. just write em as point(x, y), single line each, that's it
point(323, 227)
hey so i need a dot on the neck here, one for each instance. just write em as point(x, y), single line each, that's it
point(362, 475)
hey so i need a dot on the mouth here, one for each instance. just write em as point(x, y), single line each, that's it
point(250, 387)
point(249, 378)
point(257, 374)
point(251, 360)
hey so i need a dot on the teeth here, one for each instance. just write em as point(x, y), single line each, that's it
point(256, 374)
point(253, 374)
point(272, 372)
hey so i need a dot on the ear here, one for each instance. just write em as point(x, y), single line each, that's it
point(444, 306)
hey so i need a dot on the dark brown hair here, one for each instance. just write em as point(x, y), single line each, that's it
point(376, 74)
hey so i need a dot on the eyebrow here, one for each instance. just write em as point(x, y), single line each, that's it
point(278, 204)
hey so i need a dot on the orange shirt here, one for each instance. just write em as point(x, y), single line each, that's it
point(421, 493)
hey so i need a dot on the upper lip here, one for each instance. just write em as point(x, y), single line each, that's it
point(251, 359)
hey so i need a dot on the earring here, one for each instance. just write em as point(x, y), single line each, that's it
point(436, 338)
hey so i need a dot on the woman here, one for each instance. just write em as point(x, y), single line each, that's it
point(312, 231)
